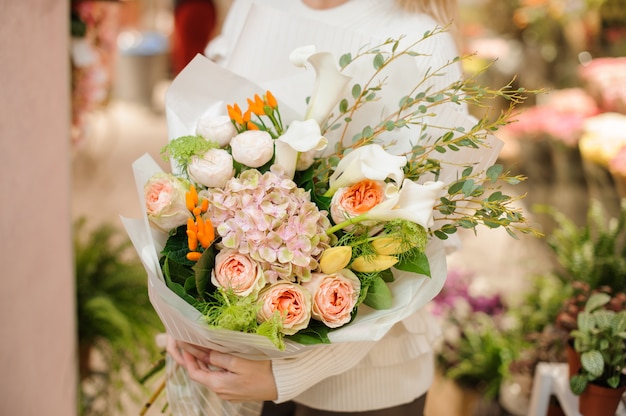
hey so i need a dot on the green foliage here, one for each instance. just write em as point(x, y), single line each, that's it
point(115, 317)
point(480, 357)
point(594, 253)
point(600, 339)
point(472, 200)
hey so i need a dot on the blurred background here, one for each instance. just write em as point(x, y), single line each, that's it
point(508, 306)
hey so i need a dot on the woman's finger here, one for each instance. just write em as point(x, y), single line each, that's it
point(174, 351)
point(217, 360)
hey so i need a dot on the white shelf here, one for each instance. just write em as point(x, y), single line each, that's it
point(552, 379)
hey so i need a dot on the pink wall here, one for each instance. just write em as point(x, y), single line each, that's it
point(37, 324)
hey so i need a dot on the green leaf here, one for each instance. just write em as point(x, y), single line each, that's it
point(618, 325)
point(578, 384)
point(343, 106)
point(378, 295)
point(356, 91)
point(314, 334)
point(202, 269)
point(417, 263)
point(387, 275)
point(345, 59)
point(593, 362)
point(597, 300)
point(379, 61)
point(494, 172)
point(468, 187)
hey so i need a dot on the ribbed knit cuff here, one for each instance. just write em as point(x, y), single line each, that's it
point(295, 375)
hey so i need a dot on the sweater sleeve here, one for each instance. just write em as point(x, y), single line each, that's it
point(296, 374)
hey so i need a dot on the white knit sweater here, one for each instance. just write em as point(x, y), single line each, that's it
point(400, 367)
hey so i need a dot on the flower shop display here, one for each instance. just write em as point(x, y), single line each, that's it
point(94, 28)
point(278, 232)
point(600, 339)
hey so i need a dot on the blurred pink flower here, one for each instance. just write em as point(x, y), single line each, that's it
point(560, 117)
point(605, 78)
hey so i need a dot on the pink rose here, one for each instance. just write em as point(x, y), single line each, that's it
point(292, 301)
point(334, 296)
point(164, 194)
point(238, 272)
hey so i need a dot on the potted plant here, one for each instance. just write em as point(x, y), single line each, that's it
point(600, 339)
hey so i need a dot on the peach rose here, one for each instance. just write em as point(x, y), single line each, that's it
point(334, 296)
point(164, 195)
point(291, 300)
point(352, 201)
point(238, 272)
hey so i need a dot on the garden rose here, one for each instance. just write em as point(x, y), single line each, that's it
point(237, 272)
point(291, 300)
point(334, 296)
point(164, 195)
point(356, 200)
point(253, 148)
point(213, 169)
point(218, 129)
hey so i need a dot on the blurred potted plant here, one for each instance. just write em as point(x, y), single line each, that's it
point(116, 322)
point(475, 351)
point(600, 339)
point(595, 253)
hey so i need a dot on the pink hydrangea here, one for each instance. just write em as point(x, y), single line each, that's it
point(273, 221)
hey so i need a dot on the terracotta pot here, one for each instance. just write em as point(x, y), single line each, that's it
point(554, 407)
point(573, 358)
point(599, 400)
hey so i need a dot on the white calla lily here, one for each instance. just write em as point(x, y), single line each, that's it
point(330, 83)
point(414, 202)
point(304, 136)
point(366, 162)
point(300, 137)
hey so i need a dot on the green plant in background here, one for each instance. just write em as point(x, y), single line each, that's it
point(594, 253)
point(601, 341)
point(480, 356)
point(116, 322)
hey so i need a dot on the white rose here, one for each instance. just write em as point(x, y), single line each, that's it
point(213, 169)
point(218, 129)
point(253, 148)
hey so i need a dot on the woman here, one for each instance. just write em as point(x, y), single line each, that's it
point(389, 377)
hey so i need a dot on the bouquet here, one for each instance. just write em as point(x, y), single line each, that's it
point(277, 232)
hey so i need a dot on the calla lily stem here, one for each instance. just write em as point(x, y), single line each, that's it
point(345, 223)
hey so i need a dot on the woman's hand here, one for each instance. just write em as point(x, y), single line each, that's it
point(230, 377)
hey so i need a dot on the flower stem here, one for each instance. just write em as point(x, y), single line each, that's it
point(345, 223)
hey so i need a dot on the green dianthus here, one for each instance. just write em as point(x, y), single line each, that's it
point(182, 149)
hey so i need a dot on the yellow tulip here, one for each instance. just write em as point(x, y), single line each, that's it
point(371, 264)
point(335, 258)
point(387, 245)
